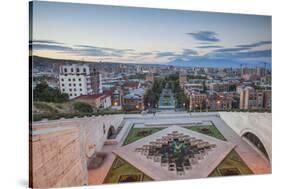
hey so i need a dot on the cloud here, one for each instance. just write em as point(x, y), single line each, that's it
point(255, 54)
point(238, 55)
point(189, 52)
point(235, 49)
point(50, 47)
point(87, 50)
point(257, 44)
point(210, 47)
point(145, 53)
point(208, 36)
point(165, 54)
point(45, 42)
point(80, 50)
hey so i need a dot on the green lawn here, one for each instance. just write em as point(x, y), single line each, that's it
point(121, 167)
point(138, 133)
point(231, 161)
point(211, 131)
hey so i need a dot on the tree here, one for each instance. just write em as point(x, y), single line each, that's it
point(232, 87)
point(42, 92)
point(82, 107)
point(151, 99)
point(181, 99)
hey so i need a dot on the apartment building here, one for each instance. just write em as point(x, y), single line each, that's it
point(255, 99)
point(77, 80)
point(197, 100)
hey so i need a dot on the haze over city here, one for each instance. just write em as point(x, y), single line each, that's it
point(150, 36)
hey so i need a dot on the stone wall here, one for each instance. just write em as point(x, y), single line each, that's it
point(62, 149)
point(56, 158)
point(259, 124)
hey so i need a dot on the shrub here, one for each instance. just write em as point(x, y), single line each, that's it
point(82, 107)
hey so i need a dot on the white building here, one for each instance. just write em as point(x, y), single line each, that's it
point(77, 80)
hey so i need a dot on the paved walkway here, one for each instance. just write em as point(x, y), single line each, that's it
point(97, 176)
point(166, 101)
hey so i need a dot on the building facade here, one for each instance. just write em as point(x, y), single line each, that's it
point(197, 101)
point(149, 77)
point(255, 99)
point(182, 79)
point(134, 100)
point(77, 80)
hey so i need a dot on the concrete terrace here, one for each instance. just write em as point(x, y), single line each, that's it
point(90, 136)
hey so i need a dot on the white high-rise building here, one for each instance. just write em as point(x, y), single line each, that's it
point(77, 80)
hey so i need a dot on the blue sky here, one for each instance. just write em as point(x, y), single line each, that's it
point(142, 35)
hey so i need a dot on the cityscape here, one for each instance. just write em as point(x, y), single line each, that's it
point(116, 87)
point(163, 98)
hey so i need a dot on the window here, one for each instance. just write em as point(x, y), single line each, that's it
point(70, 89)
point(62, 84)
point(73, 79)
point(63, 90)
point(69, 79)
point(74, 84)
point(80, 89)
point(65, 70)
point(69, 84)
point(70, 94)
point(77, 70)
point(79, 79)
point(80, 84)
point(62, 79)
point(74, 89)
point(84, 70)
point(75, 94)
point(71, 69)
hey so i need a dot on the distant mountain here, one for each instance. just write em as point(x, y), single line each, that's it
point(215, 63)
point(43, 63)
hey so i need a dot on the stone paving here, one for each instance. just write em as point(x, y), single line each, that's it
point(97, 176)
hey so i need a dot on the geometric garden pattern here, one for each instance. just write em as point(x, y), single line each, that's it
point(176, 152)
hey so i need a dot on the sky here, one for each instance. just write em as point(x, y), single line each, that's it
point(145, 35)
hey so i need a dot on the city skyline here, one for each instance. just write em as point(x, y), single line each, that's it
point(153, 36)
